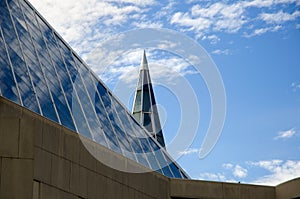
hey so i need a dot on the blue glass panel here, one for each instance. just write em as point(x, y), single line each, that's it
point(167, 172)
point(147, 121)
point(152, 94)
point(175, 170)
point(49, 37)
point(57, 92)
point(89, 85)
point(125, 146)
point(138, 102)
point(63, 70)
point(22, 77)
point(7, 83)
point(131, 134)
point(29, 14)
point(107, 128)
point(146, 100)
point(79, 119)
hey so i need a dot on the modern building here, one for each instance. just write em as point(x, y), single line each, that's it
point(63, 134)
point(144, 108)
point(40, 72)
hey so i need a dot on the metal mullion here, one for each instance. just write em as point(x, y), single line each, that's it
point(138, 139)
point(42, 70)
point(37, 56)
point(122, 126)
point(61, 87)
point(103, 109)
point(75, 125)
point(57, 76)
point(28, 72)
point(154, 130)
point(136, 92)
point(142, 99)
point(76, 95)
point(88, 95)
point(112, 127)
point(151, 109)
point(54, 105)
point(11, 67)
point(168, 165)
point(152, 150)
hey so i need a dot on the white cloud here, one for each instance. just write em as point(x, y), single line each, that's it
point(83, 24)
point(212, 177)
point(240, 172)
point(261, 31)
point(197, 24)
point(217, 16)
point(267, 3)
point(285, 134)
point(189, 151)
point(279, 17)
point(295, 86)
point(280, 171)
point(135, 2)
point(221, 52)
point(237, 170)
point(267, 164)
point(147, 24)
point(227, 165)
point(214, 39)
point(164, 67)
point(232, 17)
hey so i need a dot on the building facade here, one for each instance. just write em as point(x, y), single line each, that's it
point(40, 71)
point(144, 108)
point(54, 112)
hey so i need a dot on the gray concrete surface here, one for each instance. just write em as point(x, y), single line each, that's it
point(40, 159)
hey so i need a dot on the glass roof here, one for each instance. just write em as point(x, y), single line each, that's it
point(38, 70)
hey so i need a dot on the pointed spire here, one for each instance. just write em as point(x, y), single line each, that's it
point(144, 63)
point(144, 108)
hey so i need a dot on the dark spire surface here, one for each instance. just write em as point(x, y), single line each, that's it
point(144, 106)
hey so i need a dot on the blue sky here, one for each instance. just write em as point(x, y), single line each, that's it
point(253, 43)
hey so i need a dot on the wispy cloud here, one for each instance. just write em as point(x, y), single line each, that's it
point(189, 151)
point(84, 23)
point(276, 172)
point(285, 134)
point(232, 17)
point(280, 171)
point(295, 86)
point(218, 16)
point(165, 67)
point(227, 165)
point(279, 17)
point(237, 170)
point(212, 177)
point(214, 39)
point(240, 172)
point(221, 52)
point(261, 31)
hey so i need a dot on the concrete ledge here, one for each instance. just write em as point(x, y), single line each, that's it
point(290, 189)
point(41, 159)
point(218, 190)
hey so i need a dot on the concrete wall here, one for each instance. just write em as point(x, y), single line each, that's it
point(218, 190)
point(40, 159)
point(288, 190)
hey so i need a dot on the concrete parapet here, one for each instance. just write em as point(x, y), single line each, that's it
point(40, 159)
